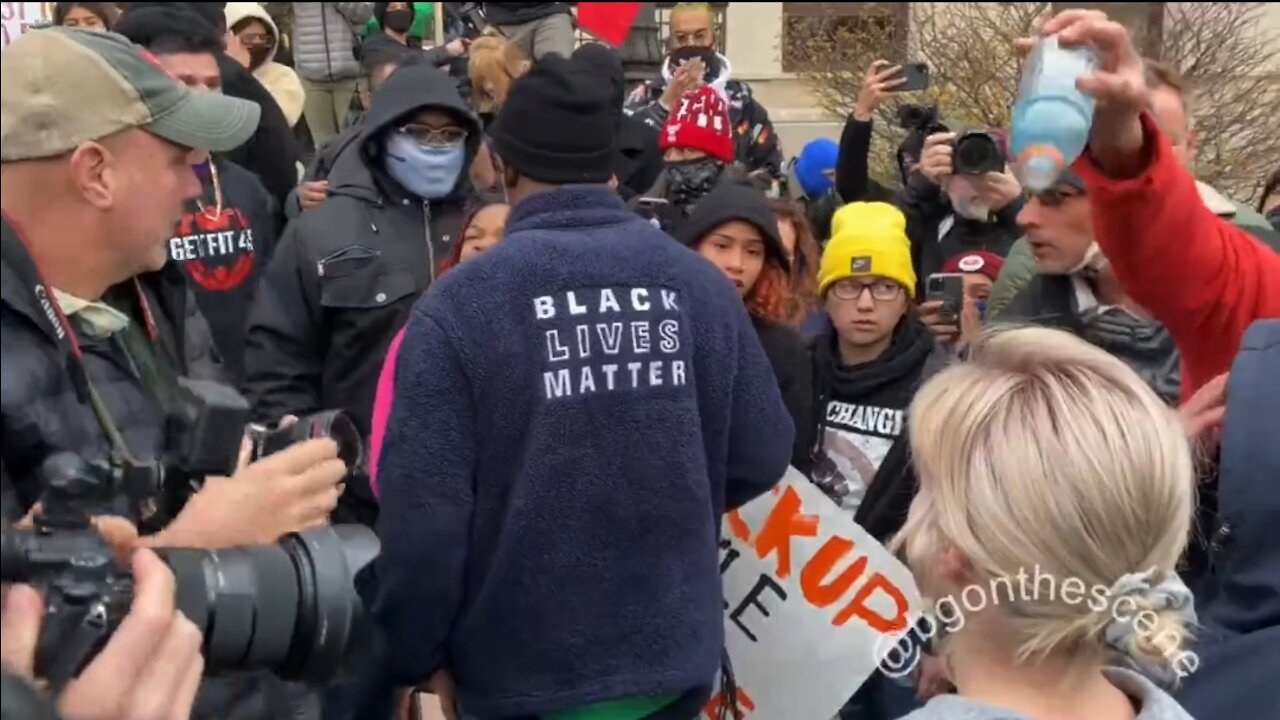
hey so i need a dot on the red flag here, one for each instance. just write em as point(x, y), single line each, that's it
point(608, 21)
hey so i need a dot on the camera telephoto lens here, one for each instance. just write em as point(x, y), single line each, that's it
point(977, 153)
point(333, 424)
point(288, 608)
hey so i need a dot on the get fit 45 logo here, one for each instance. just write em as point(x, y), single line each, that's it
point(216, 248)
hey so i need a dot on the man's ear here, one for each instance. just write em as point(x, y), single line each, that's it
point(1192, 143)
point(93, 176)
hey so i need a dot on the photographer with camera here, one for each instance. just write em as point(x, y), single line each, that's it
point(150, 668)
point(98, 329)
point(962, 198)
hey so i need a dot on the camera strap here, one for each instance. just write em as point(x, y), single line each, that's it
point(14, 254)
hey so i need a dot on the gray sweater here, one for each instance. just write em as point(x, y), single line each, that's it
point(1155, 704)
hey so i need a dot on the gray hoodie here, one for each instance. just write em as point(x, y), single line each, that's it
point(1153, 702)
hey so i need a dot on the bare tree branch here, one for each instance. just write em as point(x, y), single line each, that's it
point(1232, 70)
point(1229, 65)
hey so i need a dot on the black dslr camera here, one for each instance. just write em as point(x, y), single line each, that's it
point(289, 608)
point(977, 152)
point(203, 431)
point(920, 118)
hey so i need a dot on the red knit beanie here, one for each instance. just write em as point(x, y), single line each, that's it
point(975, 261)
point(701, 122)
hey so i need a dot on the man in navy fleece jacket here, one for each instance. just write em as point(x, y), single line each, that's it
point(574, 412)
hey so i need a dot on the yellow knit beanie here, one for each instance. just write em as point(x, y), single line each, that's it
point(868, 239)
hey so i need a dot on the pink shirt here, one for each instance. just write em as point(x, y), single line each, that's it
point(382, 408)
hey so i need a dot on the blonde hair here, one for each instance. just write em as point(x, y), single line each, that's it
point(1043, 451)
point(493, 66)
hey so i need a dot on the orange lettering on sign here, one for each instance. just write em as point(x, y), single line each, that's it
point(815, 586)
point(717, 703)
point(738, 526)
point(785, 521)
point(858, 606)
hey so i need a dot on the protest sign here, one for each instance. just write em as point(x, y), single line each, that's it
point(19, 17)
point(809, 596)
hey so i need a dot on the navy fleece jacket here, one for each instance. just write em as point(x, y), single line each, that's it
point(575, 410)
point(1238, 643)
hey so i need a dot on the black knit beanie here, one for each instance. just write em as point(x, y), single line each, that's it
point(145, 23)
point(211, 12)
point(557, 125)
point(729, 201)
point(606, 65)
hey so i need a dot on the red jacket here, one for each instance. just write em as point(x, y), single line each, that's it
point(1204, 278)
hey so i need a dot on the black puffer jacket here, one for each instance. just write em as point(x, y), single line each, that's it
point(1145, 346)
point(41, 409)
point(347, 273)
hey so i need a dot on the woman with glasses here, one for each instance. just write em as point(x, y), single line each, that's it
point(254, 40)
point(870, 359)
point(872, 355)
point(735, 229)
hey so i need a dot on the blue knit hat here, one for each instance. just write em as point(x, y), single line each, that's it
point(817, 158)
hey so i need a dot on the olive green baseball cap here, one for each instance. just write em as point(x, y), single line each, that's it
point(64, 87)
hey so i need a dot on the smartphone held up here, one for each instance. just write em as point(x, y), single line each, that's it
point(915, 76)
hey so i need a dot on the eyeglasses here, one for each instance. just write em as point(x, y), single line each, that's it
point(427, 136)
point(262, 39)
point(1055, 197)
point(881, 290)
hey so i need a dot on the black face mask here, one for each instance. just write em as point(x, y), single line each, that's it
point(258, 55)
point(688, 181)
point(398, 20)
point(708, 56)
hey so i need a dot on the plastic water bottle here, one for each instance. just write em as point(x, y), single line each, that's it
point(1051, 118)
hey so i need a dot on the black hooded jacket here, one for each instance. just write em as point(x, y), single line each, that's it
point(346, 273)
point(739, 201)
point(859, 423)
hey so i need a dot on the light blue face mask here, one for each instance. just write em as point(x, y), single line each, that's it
point(428, 172)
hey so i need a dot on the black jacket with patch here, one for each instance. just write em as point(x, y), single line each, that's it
point(346, 274)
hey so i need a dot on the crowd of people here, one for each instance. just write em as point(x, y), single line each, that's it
point(576, 323)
